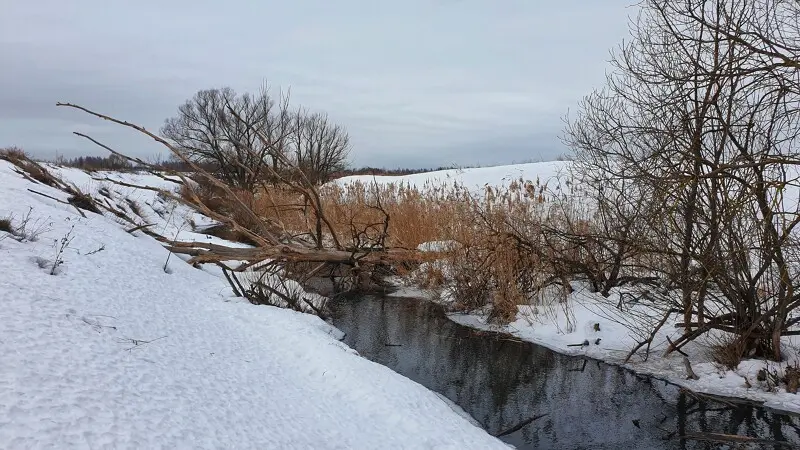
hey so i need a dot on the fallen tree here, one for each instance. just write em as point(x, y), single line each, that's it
point(357, 260)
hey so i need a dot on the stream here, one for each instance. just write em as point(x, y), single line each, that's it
point(537, 398)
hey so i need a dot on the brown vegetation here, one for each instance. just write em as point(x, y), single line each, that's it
point(6, 225)
point(26, 166)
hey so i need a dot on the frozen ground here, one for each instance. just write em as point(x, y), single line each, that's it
point(115, 352)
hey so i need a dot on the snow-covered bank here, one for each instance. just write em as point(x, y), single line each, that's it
point(596, 322)
point(473, 178)
point(113, 351)
point(610, 333)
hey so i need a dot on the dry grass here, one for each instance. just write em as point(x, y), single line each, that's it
point(27, 166)
point(415, 215)
point(13, 154)
point(26, 228)
point(492, 259)
point(728, 350)
point(496, 259)
point(6, 225)
point(6, 228)
point(484, 262)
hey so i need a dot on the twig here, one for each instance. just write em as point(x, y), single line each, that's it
point(139, 342)
point(49, 196)
point(137, 228)
point(96, 324)
point(97, 250)
point(676, 348)
point(690, 375)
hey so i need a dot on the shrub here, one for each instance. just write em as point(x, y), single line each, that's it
point(27, 166)
point(28, 228)
point(728, 350)
point(6, 225)
point(83, 201)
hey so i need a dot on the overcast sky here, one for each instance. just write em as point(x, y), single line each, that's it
point(417, 83)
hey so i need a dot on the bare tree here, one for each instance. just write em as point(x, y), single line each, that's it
point(701, 119)
point(320, 146)
point(218, 126)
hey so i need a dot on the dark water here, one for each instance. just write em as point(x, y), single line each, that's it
point(503, 383)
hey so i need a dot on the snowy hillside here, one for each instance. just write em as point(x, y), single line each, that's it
point(115, 350)
point(473, 178)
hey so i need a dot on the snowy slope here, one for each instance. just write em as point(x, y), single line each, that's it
point(474, 178)
point(114, 352)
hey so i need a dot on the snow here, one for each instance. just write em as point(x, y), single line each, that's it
point(474, 179)
point(437, 246)
point(115, 352)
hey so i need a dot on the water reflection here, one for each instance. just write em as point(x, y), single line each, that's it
point(503, 383)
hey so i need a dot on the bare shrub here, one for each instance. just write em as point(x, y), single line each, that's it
point(698, 124)
point(60, 246)
point(83, 201)
point(495, 260)
point(471, 285)
point(268, 285)
point(6, 225)
point(27, 167)
point(30, 229)
point(728, 350)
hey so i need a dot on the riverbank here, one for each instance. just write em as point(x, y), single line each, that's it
point(591, 320)
point(533, 397)
point(108, 341)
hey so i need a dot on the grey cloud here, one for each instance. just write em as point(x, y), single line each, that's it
point(417, 83)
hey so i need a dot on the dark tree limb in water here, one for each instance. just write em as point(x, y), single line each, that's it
point(520, 425)
point(731, 438)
